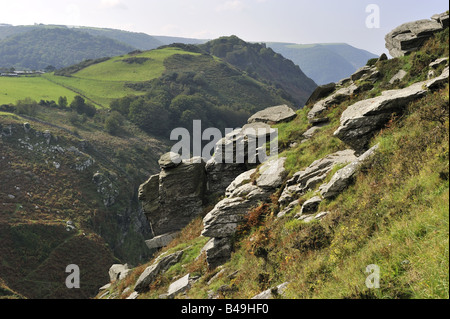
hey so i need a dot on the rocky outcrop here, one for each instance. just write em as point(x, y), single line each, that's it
point(411, 36)
point(242, 195)
point(179, 286)
point(315, 115)
point(174, 197)
point(343, 177)
point(360, 121)
point(312, 176)
point(161, 265)
point(118, 272)
point(321, 92)
point(274, 115)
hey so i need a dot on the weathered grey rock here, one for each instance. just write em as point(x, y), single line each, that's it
point(442, 18)
point(439, 81)
point(118, 272)
point(382, 57)
point(310, 218)
point(360, 121)
point(223, 220)
point(315, 114)
point(321, 92)
point(435, 64)
point(133, 295)
point(161, 241)
point(105, 287)
point(172, 199)
point(159, 266)
point(313, 175)
point(410, 36)
point(398, 76)
point(289, 208)
point(273, 292)
point(272, 174)
point(343, 82)
point(218, 251)
point(178, 287)
point(361, 72)
point(239, 181)
point(343, 177)
point(273, 115)
point(26, 127)
point(236, 153)
point(311, 131)
point(169, 160)
point(310, 206)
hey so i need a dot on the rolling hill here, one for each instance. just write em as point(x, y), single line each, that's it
point(323, 63)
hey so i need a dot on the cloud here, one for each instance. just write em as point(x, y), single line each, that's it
point(232, 5)
point(108, 4)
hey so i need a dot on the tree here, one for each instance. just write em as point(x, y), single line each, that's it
point(62, 102)
point(113, 123)
point(79, 105)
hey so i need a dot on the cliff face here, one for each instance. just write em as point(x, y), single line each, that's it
point(354, 167)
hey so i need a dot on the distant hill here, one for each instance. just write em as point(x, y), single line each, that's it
point(324, 63)
point(39, 48)
point(262, 62)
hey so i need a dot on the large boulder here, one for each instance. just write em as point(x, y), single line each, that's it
point(410, 36)
point(343, 177)
point(360, 121)
point(118, 272)
point(274, 115)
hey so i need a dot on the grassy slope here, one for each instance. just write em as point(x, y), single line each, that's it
point(395, 215)
point(99, 83)
point(38, 88)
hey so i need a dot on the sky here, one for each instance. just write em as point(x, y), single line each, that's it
point(356, 22)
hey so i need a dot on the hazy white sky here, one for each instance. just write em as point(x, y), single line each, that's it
point(297, 21)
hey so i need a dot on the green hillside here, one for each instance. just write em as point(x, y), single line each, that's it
point(37, 88)
point(262, 62)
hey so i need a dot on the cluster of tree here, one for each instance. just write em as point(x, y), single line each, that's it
point(80, 106)
point(29, 107)
point(196, 88)
point(262, 63)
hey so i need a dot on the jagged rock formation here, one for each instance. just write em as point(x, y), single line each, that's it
point(411, 36)
point(314, 174)
point(176, 196)
point(361, 120)
point(242, 195)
